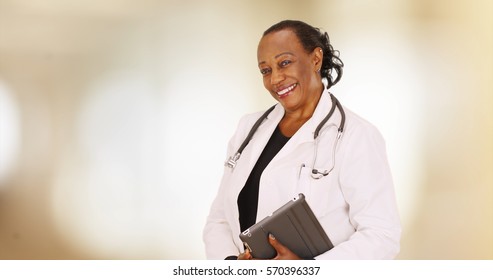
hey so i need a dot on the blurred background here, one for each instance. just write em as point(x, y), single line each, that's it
point(115, 115)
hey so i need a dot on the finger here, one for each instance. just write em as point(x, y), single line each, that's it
point(248, 255)
point(283, 252)
point(278, 246)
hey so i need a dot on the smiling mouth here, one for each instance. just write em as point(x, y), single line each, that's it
point(287, 90)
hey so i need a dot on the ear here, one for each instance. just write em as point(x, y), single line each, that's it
point(317, 58)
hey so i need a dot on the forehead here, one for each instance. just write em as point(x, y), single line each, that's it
point(278, 42)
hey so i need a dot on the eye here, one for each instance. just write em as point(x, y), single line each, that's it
point(285, 63)
point(264, 71)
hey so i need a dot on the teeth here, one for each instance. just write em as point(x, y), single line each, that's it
point(286, 90)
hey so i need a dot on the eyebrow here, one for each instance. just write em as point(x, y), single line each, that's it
point(278, 55)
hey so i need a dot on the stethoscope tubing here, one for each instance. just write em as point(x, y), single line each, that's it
point(335, 103)
point(231, 163)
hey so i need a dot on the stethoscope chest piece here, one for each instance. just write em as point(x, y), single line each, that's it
point(231, 163)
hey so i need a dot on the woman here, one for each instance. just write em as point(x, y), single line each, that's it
point(352, 193)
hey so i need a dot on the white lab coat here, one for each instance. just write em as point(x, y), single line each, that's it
point(355, 203)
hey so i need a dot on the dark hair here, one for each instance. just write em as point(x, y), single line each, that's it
point(311, 37)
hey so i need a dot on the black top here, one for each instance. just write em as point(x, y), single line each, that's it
point(248, 197)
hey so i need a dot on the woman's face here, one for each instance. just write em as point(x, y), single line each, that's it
point(289, 73)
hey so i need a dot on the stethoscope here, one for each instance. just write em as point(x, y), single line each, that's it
point(316, 173)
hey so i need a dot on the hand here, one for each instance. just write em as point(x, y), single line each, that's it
point(283, 252)
point(245, 255)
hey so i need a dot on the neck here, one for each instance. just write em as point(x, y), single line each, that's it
point(305, 111)
point(293, 120)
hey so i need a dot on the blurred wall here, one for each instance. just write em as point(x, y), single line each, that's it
point(115, 115)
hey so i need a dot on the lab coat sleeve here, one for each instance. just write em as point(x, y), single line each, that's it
point(366, 184)
point(217, 233)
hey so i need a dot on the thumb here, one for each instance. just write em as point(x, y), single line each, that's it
point(248, 255)
point(276, 244)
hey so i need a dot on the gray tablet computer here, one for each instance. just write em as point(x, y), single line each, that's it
point(294, 225)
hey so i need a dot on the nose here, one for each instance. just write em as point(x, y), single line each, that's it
point(276, 77)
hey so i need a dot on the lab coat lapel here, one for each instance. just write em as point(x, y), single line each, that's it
point(252, 151)
point(262, 136)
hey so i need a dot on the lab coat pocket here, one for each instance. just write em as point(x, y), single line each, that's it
point(315, 190)
point(304, 180)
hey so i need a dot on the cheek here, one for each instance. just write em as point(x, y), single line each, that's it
point(267, 84)
point(303, 71)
